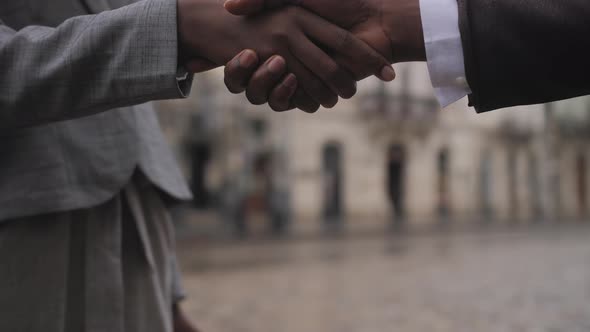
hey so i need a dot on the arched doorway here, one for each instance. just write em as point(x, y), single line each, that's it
point(512, 178)
point(396, 160)
point(332, 184)
point(534, 188)
point(444, 199)
point(485, 186)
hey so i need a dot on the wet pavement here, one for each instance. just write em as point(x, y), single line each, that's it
point(519, 280)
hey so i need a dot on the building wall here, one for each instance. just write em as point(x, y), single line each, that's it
point(505, 149)
point(459, 130)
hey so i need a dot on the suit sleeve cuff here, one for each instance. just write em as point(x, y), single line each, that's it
point(184, 80)
point(444, 51)
point(157, 51)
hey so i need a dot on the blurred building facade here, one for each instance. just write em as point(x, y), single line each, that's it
point(388, 155)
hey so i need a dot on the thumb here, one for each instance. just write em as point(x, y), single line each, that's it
point(198, 65)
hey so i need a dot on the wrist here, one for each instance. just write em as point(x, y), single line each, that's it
point(402, 24)
point(205, 31)
point(184, 51)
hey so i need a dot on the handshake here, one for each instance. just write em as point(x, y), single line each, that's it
point(299, 53)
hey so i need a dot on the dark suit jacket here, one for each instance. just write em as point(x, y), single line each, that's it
point(521, 52)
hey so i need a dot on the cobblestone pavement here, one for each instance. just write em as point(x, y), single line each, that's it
point(519, 281)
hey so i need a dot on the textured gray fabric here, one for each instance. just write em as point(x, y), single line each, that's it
point(85, 65)
point(108, 268)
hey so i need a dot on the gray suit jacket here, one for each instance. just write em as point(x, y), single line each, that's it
point(70, 135)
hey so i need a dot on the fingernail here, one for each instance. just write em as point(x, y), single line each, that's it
point(230, 2)
point(247, 59)
point(276, 65)
point(387, 74)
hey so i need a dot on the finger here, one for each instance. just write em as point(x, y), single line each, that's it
point(239, 70)
point(265, 79)
point(199, 65)
point(244, 7)
point(363, 61)
point(280, 97)
point(250, 7)
point(311, 84)
point(340, 81)
point(387, 74)
point(304, 102)
point(359, 69)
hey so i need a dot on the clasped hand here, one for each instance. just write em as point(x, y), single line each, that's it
point(307, 60)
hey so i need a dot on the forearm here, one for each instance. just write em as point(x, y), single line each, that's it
point(89, 64)
point(401, 22)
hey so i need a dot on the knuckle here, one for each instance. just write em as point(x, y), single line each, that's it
point(280, 38)
point(333, 71)
point(344, 40)
point(280, 99)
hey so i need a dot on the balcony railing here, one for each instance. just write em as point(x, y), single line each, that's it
point(403, 112)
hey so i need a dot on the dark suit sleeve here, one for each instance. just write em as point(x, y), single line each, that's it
point(89, 64)
point(520, 52)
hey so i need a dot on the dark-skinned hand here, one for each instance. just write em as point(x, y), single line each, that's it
point(393, 27)
point(306, 44)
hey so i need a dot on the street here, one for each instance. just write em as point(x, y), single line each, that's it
point(528, 279)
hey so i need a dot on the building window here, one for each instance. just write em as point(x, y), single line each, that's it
point(332, 183)
point(444, 200)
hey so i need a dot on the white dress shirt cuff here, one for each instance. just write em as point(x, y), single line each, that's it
point(444, 51)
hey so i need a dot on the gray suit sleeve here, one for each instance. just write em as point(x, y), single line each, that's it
point(89, 64)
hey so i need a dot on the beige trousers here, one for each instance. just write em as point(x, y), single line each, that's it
point(111, 268)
